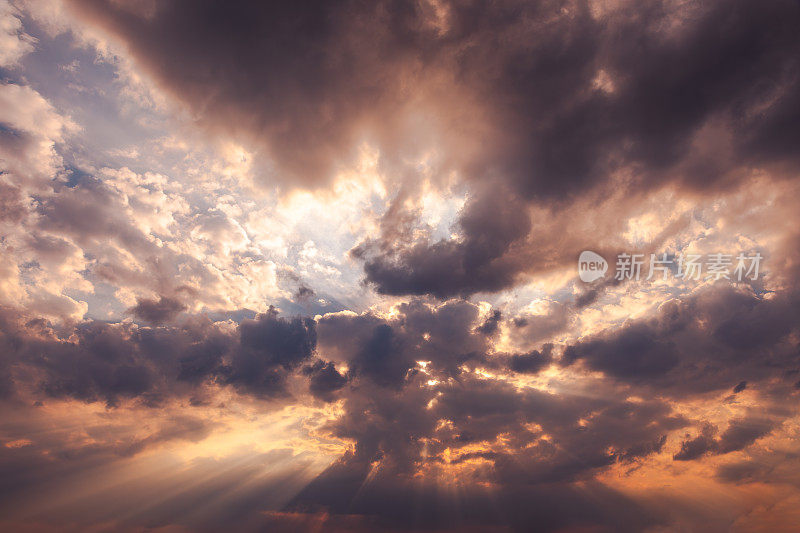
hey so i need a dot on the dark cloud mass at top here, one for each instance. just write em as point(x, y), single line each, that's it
point(551, 98)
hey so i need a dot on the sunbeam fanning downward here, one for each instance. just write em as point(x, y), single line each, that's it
point(203, 466)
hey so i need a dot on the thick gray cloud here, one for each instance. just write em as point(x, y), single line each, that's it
point(104, 362)
point(549, 98)
point(324, 380)
point(740, 433)
point(397, 434)
point(387, 351)
point(305, 81)
point(157, 311)
point(405, 417)
point(492, 225)
point(709, 341)
point(531, 362)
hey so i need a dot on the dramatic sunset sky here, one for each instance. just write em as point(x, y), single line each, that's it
point(313, 266)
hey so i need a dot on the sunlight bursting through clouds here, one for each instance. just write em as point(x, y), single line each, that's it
point(418, 265)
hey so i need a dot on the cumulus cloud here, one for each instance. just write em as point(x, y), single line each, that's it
point(157, 311)
point(739, 434)
point(115, 362)
point(14, 42)
point(550, 99)
point(420, 393)
point(707, 341)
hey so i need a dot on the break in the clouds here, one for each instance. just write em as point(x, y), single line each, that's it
point(313, 266)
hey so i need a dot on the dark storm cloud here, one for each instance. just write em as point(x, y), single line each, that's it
point(742, 472)
point(405, 416)
point(402, 417)
point(280, 342)
point(532, 362)
point(548, 97)
point(491, 224)
point(297, 76)
point(693, 448)
point(549, 441)
point(269, 347)
point(304, 292)
point(157, 311)
point(386, 351)
point(535, 105)
point(741, 432)
point(699, 344)
point(562, 136)
point(582, 435)
point(324, 380)
point(489, 327)
point(111, 362)
point(634, 353)
point(383, 357)
point(393, 410)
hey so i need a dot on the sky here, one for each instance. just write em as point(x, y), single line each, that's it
point(325, 266)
